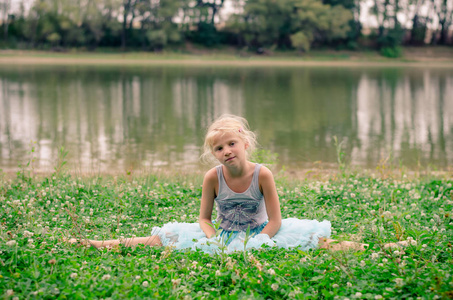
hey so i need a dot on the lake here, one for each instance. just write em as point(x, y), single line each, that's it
point(123, 118)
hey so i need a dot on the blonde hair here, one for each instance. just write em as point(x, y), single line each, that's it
point(228, 124)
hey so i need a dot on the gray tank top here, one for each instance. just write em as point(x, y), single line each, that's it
point(238, 211)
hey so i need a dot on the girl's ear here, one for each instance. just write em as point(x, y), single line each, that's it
point(246, 145)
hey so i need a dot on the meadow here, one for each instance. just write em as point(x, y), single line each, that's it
point(39, 211)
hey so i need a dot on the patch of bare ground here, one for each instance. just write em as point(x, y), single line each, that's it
point(426, 54)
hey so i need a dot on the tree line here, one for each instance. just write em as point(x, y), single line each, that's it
point(260, 25)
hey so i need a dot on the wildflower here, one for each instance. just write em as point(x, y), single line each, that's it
point(335, 285)
point(9, 292)
point(28, 233)
point(374, 256)
point(145, 283)
point(411, 241)
point(73, 275)
point(358, 294)
point(52, 261)
point(274, 286)
point(362, 263)
point(271, 272)
point(399, 281)
point(11, 243)
point(106, 277)
point(176, 282)
point(137, 277)
point(396, 252)
point(217, 273)
point(377, 297)
point(348, 284)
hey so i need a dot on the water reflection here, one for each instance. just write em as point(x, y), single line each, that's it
point(116, 119)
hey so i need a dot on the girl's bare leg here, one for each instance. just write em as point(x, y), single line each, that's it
point(346, 245)
point(153, 240)
point(337, 245)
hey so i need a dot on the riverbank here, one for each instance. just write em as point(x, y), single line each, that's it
point(441, 57)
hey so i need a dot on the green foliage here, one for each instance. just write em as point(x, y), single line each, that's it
point(301, 42)
point(392, 52)
point(206, 35)
point(37, 213)
point(293, 23)
point(264, 156)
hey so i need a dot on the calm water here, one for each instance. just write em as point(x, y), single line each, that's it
point(134, 118)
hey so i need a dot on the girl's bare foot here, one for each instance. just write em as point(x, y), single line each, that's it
point(396, 245)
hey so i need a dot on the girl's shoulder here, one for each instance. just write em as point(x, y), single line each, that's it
point(211, 175)
point(265, 173)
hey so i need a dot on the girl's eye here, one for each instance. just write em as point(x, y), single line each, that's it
point(232, 143)
point(219, 149)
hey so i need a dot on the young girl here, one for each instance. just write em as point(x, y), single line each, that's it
point(248, 208)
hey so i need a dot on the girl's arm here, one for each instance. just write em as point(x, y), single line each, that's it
point(267, 185)
point(207, 202)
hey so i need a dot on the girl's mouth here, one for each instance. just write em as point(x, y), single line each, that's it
point(230, 158)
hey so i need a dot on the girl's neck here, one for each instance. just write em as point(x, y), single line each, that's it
point(240, 171)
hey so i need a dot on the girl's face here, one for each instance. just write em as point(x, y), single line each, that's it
point(229, 149)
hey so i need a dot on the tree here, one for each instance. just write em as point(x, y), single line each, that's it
point(5, 6)
point(291, 23)
point(444, 11)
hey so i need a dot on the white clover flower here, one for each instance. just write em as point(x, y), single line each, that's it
point(358, 295)
point(145, 284)
point(106, 277)
point(335, 285)
point(11, 243)
point(176, 282)
point(271, 272)
point(374, 255)
point(362, 263)
point(399, 281)
point(28, 233)
point(411, 241)
point(137, 277)
point(73, 275)
point(9, 292)
point(274, 286)
point(377, 297)
point(348, 284)
point(217, 273)
point(396, 252)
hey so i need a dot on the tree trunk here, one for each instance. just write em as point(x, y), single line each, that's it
point(5, 19)
point(127, 7)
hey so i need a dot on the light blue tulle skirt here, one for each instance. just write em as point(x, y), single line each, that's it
point(293, 232)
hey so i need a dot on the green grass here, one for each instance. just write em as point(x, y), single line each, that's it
point(220, 56)
point(36, 212)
